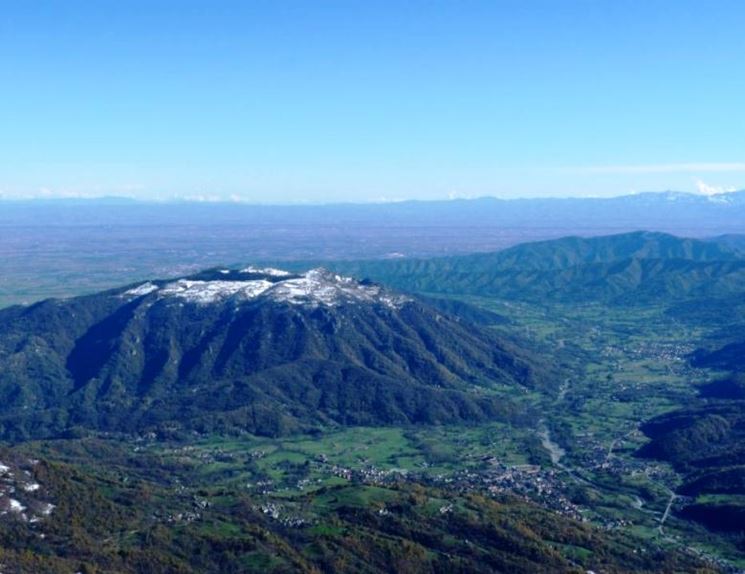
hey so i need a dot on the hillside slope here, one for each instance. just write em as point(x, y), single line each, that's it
point(110, 518)
point(635, 266)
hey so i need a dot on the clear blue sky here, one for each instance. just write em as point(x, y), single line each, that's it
point(281, 101)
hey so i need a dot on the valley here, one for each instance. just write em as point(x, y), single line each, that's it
point(627, 368)
point(631, 365)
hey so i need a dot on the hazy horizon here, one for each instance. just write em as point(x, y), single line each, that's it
point(238, 200)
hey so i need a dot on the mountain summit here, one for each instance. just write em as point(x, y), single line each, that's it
point(317, 287)
point(258, 350)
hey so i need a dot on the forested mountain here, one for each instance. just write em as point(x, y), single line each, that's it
point(730, 357)
point(617, 268)
point(706, 442)
point(734, 241)
point(260, 350)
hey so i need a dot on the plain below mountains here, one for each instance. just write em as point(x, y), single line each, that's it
point(257, 350)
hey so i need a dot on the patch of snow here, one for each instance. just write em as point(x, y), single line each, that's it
point(3, 468)
point(713, 190)
point(211, 291)
point(143, 289)
point(314, 288)
point(719, 198)
point(31, 487)
point(270, 271)
point(47, 510)
point(16, 506)
point(321, 287)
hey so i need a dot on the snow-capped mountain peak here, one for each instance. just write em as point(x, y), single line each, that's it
point(317, 287)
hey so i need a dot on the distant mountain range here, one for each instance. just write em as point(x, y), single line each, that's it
point(663, 211)
point(257, 350)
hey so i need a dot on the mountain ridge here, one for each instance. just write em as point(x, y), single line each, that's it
point(647, 264)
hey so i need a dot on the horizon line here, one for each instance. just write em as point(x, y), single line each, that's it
point(237, 200)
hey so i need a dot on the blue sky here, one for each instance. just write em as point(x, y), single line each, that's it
point(315, 101)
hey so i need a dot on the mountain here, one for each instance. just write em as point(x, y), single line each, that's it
point(631, 266)
point(729, 357)
point(706, 443)
point(258, 350)
point(731, 241)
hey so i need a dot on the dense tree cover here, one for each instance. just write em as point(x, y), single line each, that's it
point(727, 480)
point(626, 268)
point(732, 387)
point(465, 311)
point(685, 437)
point(706, 441)
point(731, 356)
point(718, 516)
point(108, 523)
